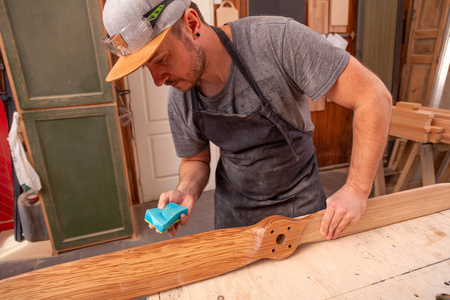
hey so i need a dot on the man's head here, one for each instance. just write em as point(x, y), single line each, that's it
point(136, 28)
point(180, 61)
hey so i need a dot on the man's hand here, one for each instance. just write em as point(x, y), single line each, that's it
point(194, 174)
point(180, 198)
point(344, 208)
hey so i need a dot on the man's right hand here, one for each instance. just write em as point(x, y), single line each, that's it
point(181, 198)
point(194, 174)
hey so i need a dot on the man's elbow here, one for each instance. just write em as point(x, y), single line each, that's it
point(380, 98)
point(385, 100)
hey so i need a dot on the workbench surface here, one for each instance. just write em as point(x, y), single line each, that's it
point(407, 260)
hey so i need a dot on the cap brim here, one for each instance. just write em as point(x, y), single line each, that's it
point(128, 64)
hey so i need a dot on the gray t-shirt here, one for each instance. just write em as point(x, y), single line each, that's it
point(288, 62)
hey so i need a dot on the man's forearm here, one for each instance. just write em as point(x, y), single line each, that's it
point(362, 91)
point(194, 174)
point(370, 131)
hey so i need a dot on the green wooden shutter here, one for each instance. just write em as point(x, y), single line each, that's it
point(77, 154)
point(54, 51)
point(57, 66)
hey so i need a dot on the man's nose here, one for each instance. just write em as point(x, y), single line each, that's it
point(159, 76)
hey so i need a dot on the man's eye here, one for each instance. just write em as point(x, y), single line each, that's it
point(161, 60)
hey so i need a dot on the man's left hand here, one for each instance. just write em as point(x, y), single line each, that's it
point(344, 208)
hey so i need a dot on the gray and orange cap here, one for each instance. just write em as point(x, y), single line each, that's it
point(136, 28)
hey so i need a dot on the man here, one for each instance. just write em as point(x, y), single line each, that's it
point(244, 87)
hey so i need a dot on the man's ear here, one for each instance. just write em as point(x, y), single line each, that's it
point(192, 22)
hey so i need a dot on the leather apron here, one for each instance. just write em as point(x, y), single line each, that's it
point(267, 167)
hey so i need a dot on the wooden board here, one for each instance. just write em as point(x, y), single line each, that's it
point(417, 119)
point(409, 260)
point(339, 12)
point(409, 133)
point(318, 15)
point(157, 267)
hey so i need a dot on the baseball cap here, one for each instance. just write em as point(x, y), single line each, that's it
point(136, 28)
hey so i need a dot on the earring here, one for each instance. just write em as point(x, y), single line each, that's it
point(197, 34)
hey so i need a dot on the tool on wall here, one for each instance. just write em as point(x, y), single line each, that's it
point(125, 116)
point(226, 12)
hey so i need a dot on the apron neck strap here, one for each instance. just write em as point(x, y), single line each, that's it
point(231, 49)
point(196, 105)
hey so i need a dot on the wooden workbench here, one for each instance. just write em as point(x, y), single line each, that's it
point(407, 260)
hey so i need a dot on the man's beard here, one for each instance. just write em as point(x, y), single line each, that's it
point(196, 66)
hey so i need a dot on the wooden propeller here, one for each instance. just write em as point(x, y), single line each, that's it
point(165, 265)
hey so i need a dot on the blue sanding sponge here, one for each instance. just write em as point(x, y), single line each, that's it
point(163, 219)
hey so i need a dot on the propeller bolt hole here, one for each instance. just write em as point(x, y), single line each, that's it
point(273, 250)
point(289, 228)
point(280, 239)
point(272, 232)
point(290, 246)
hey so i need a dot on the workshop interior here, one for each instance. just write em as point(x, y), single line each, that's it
point(84, 162)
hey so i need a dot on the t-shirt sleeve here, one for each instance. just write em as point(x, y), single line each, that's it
point(186, 137)
point(312, 62)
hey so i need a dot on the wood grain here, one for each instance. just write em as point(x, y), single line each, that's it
point(162, 266)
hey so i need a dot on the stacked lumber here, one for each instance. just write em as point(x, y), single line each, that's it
point(421, 124)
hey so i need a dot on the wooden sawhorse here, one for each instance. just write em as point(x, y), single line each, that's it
point(413, 154)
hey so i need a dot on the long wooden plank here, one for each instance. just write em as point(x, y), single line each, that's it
point(156, 267)
point(445, 138)
point(409, 106)
point(419, 119)
point(436, 134)
point(418, 135)
point(417, 107)
point(393, 262)
point(438, 113)
point(441, 123)
point(427, 129)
